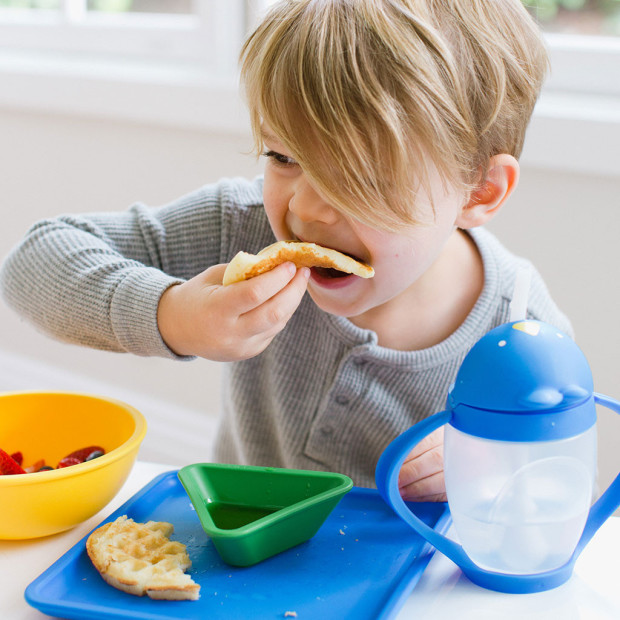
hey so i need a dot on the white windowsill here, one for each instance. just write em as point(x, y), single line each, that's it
point(569, 132)
point(574, 132)
point(176, 94)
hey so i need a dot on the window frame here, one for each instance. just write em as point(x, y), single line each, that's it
point(133, 34)
point(584, 64)
point(149, 37)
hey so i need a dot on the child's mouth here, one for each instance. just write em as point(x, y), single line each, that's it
point(328, 272)
point(330, 277)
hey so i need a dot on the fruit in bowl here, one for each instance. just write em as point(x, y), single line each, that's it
point(50, 427)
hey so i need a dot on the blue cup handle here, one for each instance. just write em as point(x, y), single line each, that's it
point(386, 478)
point(607, 503)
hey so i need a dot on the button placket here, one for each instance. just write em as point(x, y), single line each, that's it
point(328, 425)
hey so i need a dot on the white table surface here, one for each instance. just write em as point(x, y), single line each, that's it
point(443, 593)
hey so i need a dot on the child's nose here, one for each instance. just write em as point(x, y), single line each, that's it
point(309, 206)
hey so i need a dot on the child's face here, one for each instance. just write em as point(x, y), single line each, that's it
point(296, 211)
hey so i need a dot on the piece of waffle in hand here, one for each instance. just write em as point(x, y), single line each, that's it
point(140, 558)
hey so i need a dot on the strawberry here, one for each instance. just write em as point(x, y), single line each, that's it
point(67, 462)
point(18, 457)
point(8, 466)
point(83, 454)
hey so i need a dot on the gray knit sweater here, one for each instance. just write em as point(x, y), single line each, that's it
point(323, 395)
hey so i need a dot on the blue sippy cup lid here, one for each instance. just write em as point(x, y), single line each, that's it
point(523, 381)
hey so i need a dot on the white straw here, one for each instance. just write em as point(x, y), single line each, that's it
point(518, 305)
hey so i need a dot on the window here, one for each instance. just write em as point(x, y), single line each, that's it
point(576, 124)
point(175, 61)
point(584, 17)
point(584, 43)
point(154, 30)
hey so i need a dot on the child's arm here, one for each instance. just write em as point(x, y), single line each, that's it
point(228, 323)
point(421, 477)
point(89, 280)
point(96, 279)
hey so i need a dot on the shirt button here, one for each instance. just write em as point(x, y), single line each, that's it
point(359, 361)
point(327, 430)
point(341, 399)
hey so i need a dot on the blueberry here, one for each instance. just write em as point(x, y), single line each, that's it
point(94, 455)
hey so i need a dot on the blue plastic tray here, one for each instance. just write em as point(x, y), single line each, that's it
point(362, 563)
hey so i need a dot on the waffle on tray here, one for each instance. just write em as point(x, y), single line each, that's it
point(140, 558)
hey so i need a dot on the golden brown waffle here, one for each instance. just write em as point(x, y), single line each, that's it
point(140, 558)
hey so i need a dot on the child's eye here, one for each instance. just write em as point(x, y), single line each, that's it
point(279, 159)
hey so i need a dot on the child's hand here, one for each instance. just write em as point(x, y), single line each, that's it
point(421, 476)
point(228, 323)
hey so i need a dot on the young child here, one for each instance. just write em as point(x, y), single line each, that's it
point(391, 132)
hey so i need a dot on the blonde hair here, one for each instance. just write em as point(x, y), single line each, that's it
point(364, 93)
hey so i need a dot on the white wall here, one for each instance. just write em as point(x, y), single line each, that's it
point(566, 222)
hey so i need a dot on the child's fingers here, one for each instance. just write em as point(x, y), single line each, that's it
point(421, 476)
point(421, 467)
point(257, 328)
point(430, 489)
point(271, 317)
point(431, 441)
point(250, 294)
point(439, 497)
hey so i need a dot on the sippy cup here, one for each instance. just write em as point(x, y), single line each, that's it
point(519, 460)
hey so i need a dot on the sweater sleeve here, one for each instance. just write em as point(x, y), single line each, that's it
point(96, 279)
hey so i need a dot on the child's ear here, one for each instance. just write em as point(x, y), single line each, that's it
point(485, 201)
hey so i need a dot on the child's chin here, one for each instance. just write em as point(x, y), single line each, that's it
point(335, 301)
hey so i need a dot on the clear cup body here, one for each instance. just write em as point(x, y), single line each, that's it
point(519, 507)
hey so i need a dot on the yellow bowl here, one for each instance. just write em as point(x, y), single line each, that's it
point(50, 425)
